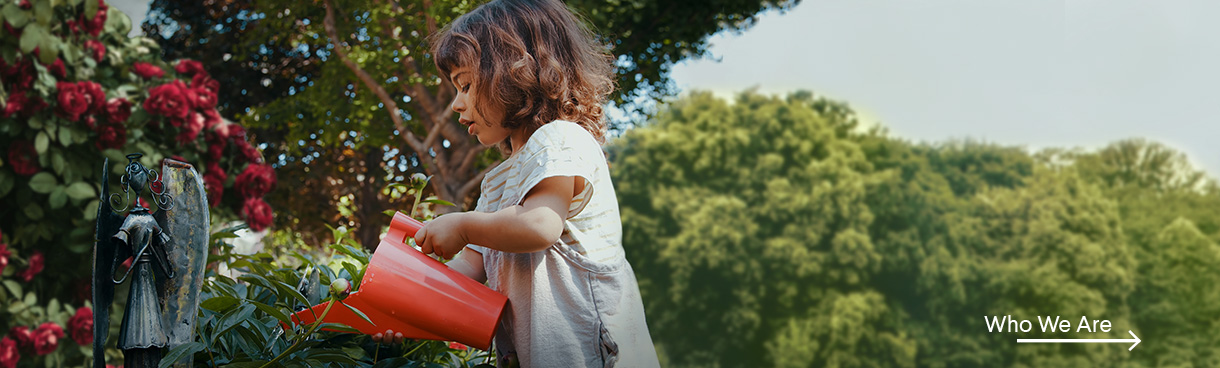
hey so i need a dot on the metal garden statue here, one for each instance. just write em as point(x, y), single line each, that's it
point(167, 247)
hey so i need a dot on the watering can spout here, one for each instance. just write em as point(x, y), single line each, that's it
point(408, 292)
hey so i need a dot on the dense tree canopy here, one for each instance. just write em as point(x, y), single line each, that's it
point(776, 230)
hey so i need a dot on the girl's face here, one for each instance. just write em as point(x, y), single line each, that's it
point(487, 127)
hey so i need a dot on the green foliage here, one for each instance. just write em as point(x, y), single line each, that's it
point(776, 230)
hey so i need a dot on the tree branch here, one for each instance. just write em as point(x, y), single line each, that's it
point(395, 113)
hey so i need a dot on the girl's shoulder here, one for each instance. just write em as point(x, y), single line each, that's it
point(560, 134)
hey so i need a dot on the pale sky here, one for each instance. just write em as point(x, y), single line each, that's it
point(1033, 73)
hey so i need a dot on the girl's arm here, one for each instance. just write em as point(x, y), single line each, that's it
point(532, 226)
point(469, 263)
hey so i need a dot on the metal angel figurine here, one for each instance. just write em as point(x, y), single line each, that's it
point(168, 251)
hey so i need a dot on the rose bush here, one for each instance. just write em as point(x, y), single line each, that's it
point(74, 89)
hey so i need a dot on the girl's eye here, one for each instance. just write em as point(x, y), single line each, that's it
point(466, 87)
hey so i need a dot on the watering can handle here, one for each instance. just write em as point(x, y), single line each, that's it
point(402, 227)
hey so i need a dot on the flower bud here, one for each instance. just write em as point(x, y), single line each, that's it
point(340, 287)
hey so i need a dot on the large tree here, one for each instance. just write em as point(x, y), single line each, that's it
point(773, 230)
point(350, 84)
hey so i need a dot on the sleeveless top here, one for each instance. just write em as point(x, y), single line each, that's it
point(576, 303)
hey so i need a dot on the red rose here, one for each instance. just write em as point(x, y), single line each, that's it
point(4, 254)
point(8, 353)
point(72, 101)
point(15, 104)
point(216, 149)
point(118, 110)
point(189, 67)
point(191, 128)
point(98, 49)
point(97, 24)
point(146, 70)
point(256, 181)
point(205, 89)
point(81, 326)
point(214, 183)
point(24, 73)
point(250, 153)
point(168, 100)
point(211, 119)
point(57, 68)
point(257, 213)
point(23, 336)
point(36, 264)
point(94, 95)
point(46, 338)
point(23, 157)
point(111, 136)
point(72, 26)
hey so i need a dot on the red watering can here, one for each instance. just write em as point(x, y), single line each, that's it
point(408, 292)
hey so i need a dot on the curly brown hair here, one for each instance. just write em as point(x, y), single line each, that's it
point(534, 59)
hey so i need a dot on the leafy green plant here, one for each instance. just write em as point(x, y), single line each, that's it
point(245, 320)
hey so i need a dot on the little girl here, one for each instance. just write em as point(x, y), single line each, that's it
point(531, 79)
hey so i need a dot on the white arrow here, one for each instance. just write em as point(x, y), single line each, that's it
point(1135, 340)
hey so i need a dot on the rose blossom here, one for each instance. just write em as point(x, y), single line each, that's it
point(37, 262)
point(4, 254)
point(111, 136)
point(72, 101)
point(118, 110)
point(94, 95)
point(98, 49)
point(8, 353)
point(46, 338)
point(57, 68)
point(23, 158)
point(214, 183)
point(189, 67)
point(80, 326)
point(168, 100)
point(146, 70)
point(23, 336)
point(257, 180)
point(257, 213)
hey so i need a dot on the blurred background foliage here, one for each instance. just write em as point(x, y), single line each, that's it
point(777, 229)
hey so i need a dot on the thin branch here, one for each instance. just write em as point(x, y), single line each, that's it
point(395, 113)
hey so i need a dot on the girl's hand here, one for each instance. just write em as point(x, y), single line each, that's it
point(442, 236)
point(388, 337)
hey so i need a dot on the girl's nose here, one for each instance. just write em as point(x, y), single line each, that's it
point(459, 104)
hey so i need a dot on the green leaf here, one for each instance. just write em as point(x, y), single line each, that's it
point(339, 327)
point(6, 183)
point(81, 190)
point(219, 303)
point(41, 142)
point(13, 287)
point(57, 161)
point(438, 201)
point(30, 38)
point(291, 291)
point(358, 313)
point(53, 308)
point(272, 311)
point(15, 16)
point(33, 211)
point(75, 3)
point(43, 182)
point(36, 123)
point(57, 198)
point(91, 210)
point(90, 9)
point(48, 49)
point(65, 136)
point(42, 12)
point(179, 352)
